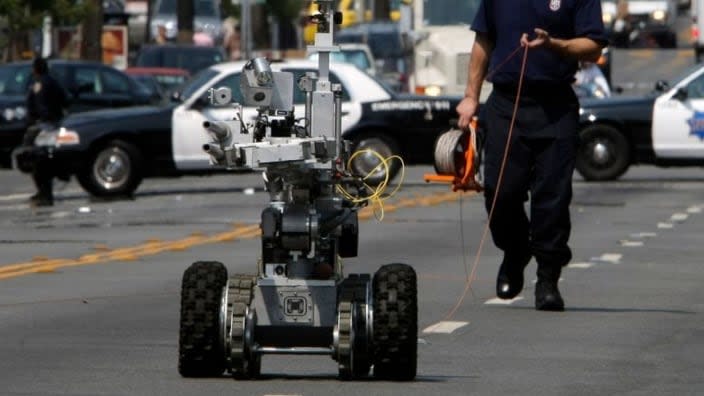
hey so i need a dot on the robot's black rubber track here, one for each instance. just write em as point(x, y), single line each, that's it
point(395, 322)
point(200, 351)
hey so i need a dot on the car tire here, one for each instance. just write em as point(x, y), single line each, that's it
point(363, 164)
point(113, 170)
point(603, 153)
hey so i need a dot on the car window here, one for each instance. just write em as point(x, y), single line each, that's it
point(15, 80)
point(194, 84)
point(115, 83)
point(233, 82)
point(299, 97)
point(87, 80)
point(695, 88)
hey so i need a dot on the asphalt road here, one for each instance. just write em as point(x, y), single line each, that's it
point(89, 291)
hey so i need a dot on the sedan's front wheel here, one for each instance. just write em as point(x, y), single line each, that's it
point(603, 153)
point(113, 170)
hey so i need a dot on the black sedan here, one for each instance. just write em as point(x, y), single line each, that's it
point(89, 86)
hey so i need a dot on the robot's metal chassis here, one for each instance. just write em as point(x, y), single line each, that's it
point(299, 302)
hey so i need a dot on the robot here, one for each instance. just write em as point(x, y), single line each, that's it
point(298, 302)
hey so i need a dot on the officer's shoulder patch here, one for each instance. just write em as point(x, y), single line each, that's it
point(37, 87)
point(554, 5)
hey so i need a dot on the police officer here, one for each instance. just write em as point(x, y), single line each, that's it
point(558, 34)
point(45, 105)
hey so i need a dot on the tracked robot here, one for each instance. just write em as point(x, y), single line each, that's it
point(297, 301)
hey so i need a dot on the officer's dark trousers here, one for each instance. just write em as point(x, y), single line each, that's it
point(540, 163)
point(42, 174)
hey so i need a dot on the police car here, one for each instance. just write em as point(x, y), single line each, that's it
point(111, 151)
point(664, 128)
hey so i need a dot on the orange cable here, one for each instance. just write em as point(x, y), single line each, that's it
point(471, 278)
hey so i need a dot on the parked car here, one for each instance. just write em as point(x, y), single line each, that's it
point(664, 128)
point(391, 48)
point(88, 86)
point(167, 78)
point(114, 150)
point(192, 58)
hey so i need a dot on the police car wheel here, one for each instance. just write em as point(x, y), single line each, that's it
point(112, 170)
point(603, 153)
point(367, 165)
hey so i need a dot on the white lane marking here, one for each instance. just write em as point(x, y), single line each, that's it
point(627, 243)
point(580, 265)
point(665, 226)
point(14, 197)
point(679, 217)
point(14, 207)
point(422, 341)
point(694, 209)
point(60, 215)
point(498, 301)
point(444, 327)
point(643, 235)
point(612, 258)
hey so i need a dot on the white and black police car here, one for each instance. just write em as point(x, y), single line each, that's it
point(111, 151)
point(664, 128)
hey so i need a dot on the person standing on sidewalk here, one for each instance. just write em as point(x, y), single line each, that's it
point(558, 34)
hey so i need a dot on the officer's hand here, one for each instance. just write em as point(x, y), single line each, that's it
point(542, 38)
point(466, 109)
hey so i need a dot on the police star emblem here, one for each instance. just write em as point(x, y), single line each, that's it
point(554, 5)
point(696, 125)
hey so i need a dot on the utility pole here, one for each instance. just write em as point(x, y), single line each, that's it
point(185, 14)
point(92, 32)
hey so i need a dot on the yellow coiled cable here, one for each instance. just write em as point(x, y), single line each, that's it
point(376, 197)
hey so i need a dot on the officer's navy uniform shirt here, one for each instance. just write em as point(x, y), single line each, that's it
point(504, 21)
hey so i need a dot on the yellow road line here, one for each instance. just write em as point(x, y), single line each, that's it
point(103, 254)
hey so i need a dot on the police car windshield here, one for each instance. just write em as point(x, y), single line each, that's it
point(196, 82)
point(449, 12)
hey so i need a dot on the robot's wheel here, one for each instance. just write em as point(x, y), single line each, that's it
point(200, 351)
point(395, 322)
point(354, 327)
point(238, 324)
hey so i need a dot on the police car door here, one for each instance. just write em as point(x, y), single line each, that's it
point(188, 135)
point(678, 120)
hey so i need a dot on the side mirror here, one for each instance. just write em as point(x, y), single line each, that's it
point(661, 86)
point(681, 94)
point(201, 103)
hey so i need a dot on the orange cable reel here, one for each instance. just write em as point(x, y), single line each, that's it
point(457, 159)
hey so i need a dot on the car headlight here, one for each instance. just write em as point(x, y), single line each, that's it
point(659, 15)
point(14, 113)
point(57, 138)
point(607, 18)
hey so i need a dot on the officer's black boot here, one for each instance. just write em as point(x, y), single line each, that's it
point(45, 194)
point(547, 295)
point(509, 282)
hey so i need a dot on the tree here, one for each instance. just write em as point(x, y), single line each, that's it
point(21, 17)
